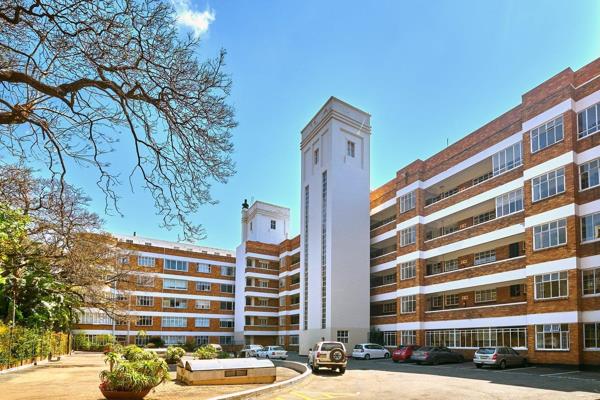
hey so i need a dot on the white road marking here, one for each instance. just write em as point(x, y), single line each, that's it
point(561, 373)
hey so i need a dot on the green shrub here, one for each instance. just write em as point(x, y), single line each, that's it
point(174, 354)
point(133, 376)
point(206, 353)
point(223, 354)
point(156, 340)
point(134, 353)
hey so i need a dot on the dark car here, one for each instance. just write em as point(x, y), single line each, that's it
point(436, 355)
point(403, 353)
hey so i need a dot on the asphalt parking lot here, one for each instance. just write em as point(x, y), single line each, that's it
point(384, 379)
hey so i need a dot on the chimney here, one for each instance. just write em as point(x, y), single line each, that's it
point(244, 221)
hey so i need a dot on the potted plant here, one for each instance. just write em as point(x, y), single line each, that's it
point(174, 354)
point(132, 380)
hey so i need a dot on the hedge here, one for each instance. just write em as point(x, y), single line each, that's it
point(21, 345)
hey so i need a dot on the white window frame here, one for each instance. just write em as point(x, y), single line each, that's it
point(593, 169)
point(202, 305)
point(226, 323)
point(485, 296)
point(343, 336)
point(146, 261)
point(547, 129)
point(596, 338)
point(408, 337)
point(451, 300)
point(553, 179)
point(180, 285)
point(173, 322)
point(408, 202)
point(201, 322)
point(408, 304)
point(144, 280)
point(563, 336)
point(509, 203)
point(499, 160)
point(588, 132)
point(203, 268)
point(408, 236)
point(595, 227)
point(144, 318)
point(549, 228)
point(559, 276)
point(351, 149)
point(389, 338)
point(408, 270)
point(179, 265)
point(142, 300)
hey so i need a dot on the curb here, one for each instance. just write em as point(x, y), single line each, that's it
point(251, 393)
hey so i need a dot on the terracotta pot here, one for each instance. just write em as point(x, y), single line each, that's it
point(118, 395)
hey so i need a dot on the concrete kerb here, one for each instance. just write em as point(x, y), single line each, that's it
point(296, 366)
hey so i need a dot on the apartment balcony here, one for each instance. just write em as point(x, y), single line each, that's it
point(294, 286)
point(482, 311)
point(465, 191)
point(465, 232)
point(256, 308)
point(384, 251)
point(389, 288)
point(261, 289)
point(268, 271)
point(265, 328)
point(383, 319)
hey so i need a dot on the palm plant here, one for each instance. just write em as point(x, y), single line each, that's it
point(144, 371)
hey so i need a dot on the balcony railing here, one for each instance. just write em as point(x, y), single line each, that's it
point(383, 222)
point(465, 185)
point(463, 224)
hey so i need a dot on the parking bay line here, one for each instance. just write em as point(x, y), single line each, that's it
point(561, 373)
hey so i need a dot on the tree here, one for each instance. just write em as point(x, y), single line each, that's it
point(63, 262)
point(76, 76)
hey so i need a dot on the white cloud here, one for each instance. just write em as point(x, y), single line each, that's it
point(195, 20)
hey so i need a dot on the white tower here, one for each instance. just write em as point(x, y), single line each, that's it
point(334, 248)
point(265, 223)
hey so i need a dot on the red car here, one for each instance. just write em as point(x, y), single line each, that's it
point(403, 353)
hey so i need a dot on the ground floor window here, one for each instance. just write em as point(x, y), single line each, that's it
point(389, 338)
point(294, 340)
point(477, 337)
point(342, 336)
point(225, 340)
point(408, 337)
point(141, 340)
point(281, 340)
point(201, 340)
point(173, 340)
point(552, 337)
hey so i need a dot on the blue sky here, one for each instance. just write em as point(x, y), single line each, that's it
point(427, 72)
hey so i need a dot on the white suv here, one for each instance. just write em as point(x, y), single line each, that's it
point(328, 354)
point(370, 350)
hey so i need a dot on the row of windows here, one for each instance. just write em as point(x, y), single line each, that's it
point(148, 301)
point(477, 337)
point(180, 284)
point(181, 322)
point(182, 266)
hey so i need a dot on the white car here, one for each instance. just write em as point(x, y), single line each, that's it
point(367, 351)
point(250, 350)
point(272, 352)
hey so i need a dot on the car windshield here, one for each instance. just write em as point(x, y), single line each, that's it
point(277, 348)
point(330, 346)
point(486, 350)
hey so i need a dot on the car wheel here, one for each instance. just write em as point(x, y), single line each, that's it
point(386, 355)
point(342, 370)
point(268, 356)
point(367, 356)
point(478, 365)
point(502, 364)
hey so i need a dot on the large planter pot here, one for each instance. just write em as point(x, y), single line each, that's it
point(118, 395)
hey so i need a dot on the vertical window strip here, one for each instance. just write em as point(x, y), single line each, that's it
point(306, 199)
point(324, 250)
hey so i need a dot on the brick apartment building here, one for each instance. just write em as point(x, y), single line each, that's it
point(493, 241)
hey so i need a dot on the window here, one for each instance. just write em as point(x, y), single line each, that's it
point(408, 202)
point(226, 323)
point(282, 301)
point(263, 265)
point(551, 286)
point(227, 271)
point(262, 284)
point(588, 121)
point(145, 280)
point(316, 156)
point(175, 284)
point(549, 184)
point(174, 322)
point(450, 265)
point(225, 340)
point(591, 335)
point(342, 336)
point(591, 281)
point(514, 250)
point(120, 297)
point(451, 300)
point(176, 265)
point(509, 203)
point(202, 322)
point(203, 286)
point(273, 224)
point(324, 250)
point(144, 261)
point(389, 279)
point(484, 257)
point(437, 301)
point(389, 339)
point(201, 340)
point(227, 305)
point(590, 227)
point(408, 337)
point(124, 260)
point(517, 290)
point(547, 134)
point(173, 340)
point(550, 235)
point(483, 296)
point(226, 288)
point(507, 159)
point(174, 303)
point(478, 337)
point(408, 270)
point(141, 341)
point(305, 250)
point(262, 302)
point(408, 304)
point(388, 308)
point(351, 149)
point(589, 174)
point(294, 340)
point(144, 320)
point(408, 236)
point(552, 337)
point(261, 321)
point(203, 268)
point(485, 217)
point(144, 301)
point(202, 304)
point(95, 318)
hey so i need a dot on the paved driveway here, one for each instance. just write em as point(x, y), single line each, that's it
point(383, 379)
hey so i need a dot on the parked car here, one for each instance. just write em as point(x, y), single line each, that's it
point(435, 355)
point(500, 357)
point(328, 354)
point(250, 350)
point(367, 351)
point(403, 353)
point(272, 352)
